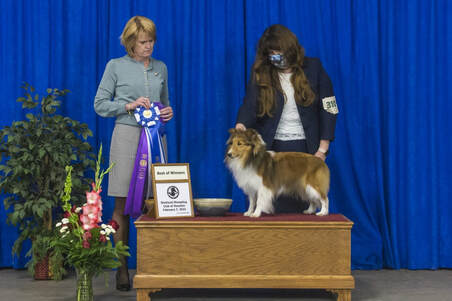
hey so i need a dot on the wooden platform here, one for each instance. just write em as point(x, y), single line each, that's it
point(282, 251)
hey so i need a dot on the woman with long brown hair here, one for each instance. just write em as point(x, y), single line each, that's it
point(289, 100)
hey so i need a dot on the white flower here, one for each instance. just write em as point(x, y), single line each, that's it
point(63, 229)
point(65, 220)
point(58, 224)
point(103, 226)
point(108, 238)
point(78, 209)
point(111, 229)
point(102, 232)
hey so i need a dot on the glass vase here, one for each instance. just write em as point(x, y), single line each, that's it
point(84, 285)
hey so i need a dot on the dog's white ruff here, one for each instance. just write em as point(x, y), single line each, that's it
point(260, 197)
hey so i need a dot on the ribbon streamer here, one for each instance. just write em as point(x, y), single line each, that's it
point(150, 150)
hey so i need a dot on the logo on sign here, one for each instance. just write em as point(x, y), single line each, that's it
point(172, 192)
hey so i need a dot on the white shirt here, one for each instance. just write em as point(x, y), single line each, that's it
point(289, 126)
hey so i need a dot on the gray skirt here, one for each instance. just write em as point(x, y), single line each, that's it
point(123, 150)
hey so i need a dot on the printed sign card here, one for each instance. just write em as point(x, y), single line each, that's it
point(172, 190)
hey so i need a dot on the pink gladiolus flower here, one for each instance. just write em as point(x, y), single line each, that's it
point(85, 244)
point(93, 198)
point(84, 219)
point(94, 188)
point(87, 235)
point(92, 210)
point(87, 227)
point(87, 223)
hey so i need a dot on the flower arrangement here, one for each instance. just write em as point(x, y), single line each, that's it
point(84, 242)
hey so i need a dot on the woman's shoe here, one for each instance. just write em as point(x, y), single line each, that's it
point(123, 287)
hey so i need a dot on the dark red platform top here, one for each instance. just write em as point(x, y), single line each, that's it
point(232, 217)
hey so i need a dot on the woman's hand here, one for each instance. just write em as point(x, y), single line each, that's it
point(323, 149)
point(240, 126)
point(141, 101)
point(166, 113)
point(320, 155)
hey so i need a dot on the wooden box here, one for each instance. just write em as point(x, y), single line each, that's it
point(282, 251)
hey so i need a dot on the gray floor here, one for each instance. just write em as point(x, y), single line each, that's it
point(384, 285)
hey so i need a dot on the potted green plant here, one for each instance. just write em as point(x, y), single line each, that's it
point(33, 156)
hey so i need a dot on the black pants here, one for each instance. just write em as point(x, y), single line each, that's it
point(289, 204)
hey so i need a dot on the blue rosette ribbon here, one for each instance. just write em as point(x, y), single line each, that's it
point(150, 150)
point(148, 117)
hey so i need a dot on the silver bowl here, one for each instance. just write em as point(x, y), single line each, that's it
point(212, 207)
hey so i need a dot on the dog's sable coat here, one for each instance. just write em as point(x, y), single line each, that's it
point(263, 175)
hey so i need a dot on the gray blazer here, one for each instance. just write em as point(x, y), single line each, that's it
point(124, 81)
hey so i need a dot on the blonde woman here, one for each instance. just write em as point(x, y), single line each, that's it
point(133, 80)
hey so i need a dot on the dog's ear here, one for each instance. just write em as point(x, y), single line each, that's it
point(256, 141)
point(250, 133)
point(232, 131)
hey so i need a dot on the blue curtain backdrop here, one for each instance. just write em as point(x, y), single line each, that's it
point(389, 62)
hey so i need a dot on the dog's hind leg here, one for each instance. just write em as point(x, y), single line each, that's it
point(325, 207)
point(314, 199)
point(252, 200)
point(312, 208)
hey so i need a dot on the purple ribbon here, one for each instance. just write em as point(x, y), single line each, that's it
point(150, 150)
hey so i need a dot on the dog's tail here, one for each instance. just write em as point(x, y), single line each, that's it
point(320, 180)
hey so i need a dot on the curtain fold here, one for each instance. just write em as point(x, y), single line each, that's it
point(389, 62)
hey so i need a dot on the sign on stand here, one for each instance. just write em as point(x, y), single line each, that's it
point(172, 190)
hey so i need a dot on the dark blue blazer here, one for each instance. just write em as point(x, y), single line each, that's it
point(318, 123)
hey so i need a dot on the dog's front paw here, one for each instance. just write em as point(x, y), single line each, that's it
point(256, 213)
point(248, 213)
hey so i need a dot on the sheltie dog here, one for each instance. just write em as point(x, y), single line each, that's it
point(264, 175)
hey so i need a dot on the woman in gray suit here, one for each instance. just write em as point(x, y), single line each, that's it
point(133, 80)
